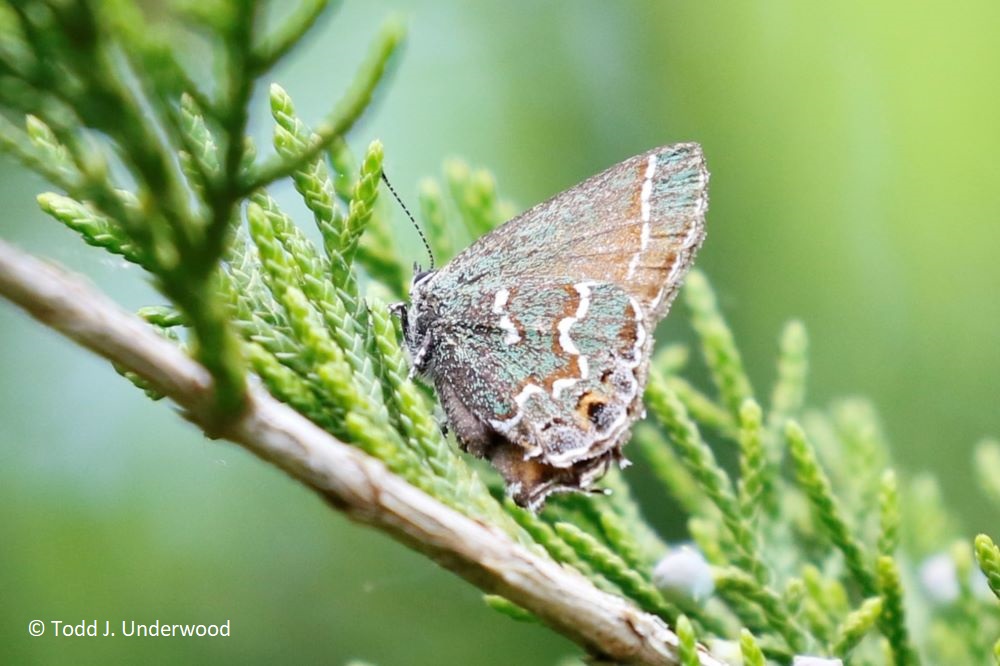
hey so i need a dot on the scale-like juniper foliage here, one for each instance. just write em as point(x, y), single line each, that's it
point(808, 552)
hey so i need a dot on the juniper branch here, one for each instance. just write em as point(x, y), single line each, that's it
point(351, 481)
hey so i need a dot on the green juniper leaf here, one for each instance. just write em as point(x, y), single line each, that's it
point(717, 343)
point(671, 474)
point(508, 608)
point(474, 192)
point(737, 583)
point(687, 644)
point(893, 613)
point(816, 485)
point(702, 408)
point(788, 394)
point(697, 456)
point(752, 655)
point(988, 556)
point(856, 626)
point(612, 567)
point(752, 460)
point(280, 41)
point(95, 229)
point(344, 114)
point(888, 539)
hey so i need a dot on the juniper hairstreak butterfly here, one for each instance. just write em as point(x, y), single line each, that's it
point(538, 336)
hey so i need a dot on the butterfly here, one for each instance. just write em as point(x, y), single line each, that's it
point(537, 337)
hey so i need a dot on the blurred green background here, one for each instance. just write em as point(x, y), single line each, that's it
point(854, 155)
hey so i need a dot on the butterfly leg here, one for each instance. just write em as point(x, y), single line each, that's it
point(420, 358)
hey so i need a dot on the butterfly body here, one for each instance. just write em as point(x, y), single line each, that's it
point(538, 336)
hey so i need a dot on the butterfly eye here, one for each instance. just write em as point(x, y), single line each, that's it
point(419, 275)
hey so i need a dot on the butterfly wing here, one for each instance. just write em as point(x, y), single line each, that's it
point(637, 225)
point(544, 379)
point(537, 337)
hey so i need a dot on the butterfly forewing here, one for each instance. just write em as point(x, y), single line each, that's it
point(637, 224)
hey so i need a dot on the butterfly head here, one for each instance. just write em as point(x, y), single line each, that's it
point(416, 317)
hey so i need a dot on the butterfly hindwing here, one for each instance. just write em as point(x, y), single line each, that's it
point(545, 381)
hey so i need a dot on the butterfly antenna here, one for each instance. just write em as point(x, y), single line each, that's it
point(427, 246)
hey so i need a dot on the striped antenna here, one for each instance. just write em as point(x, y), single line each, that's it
point(406, 210)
